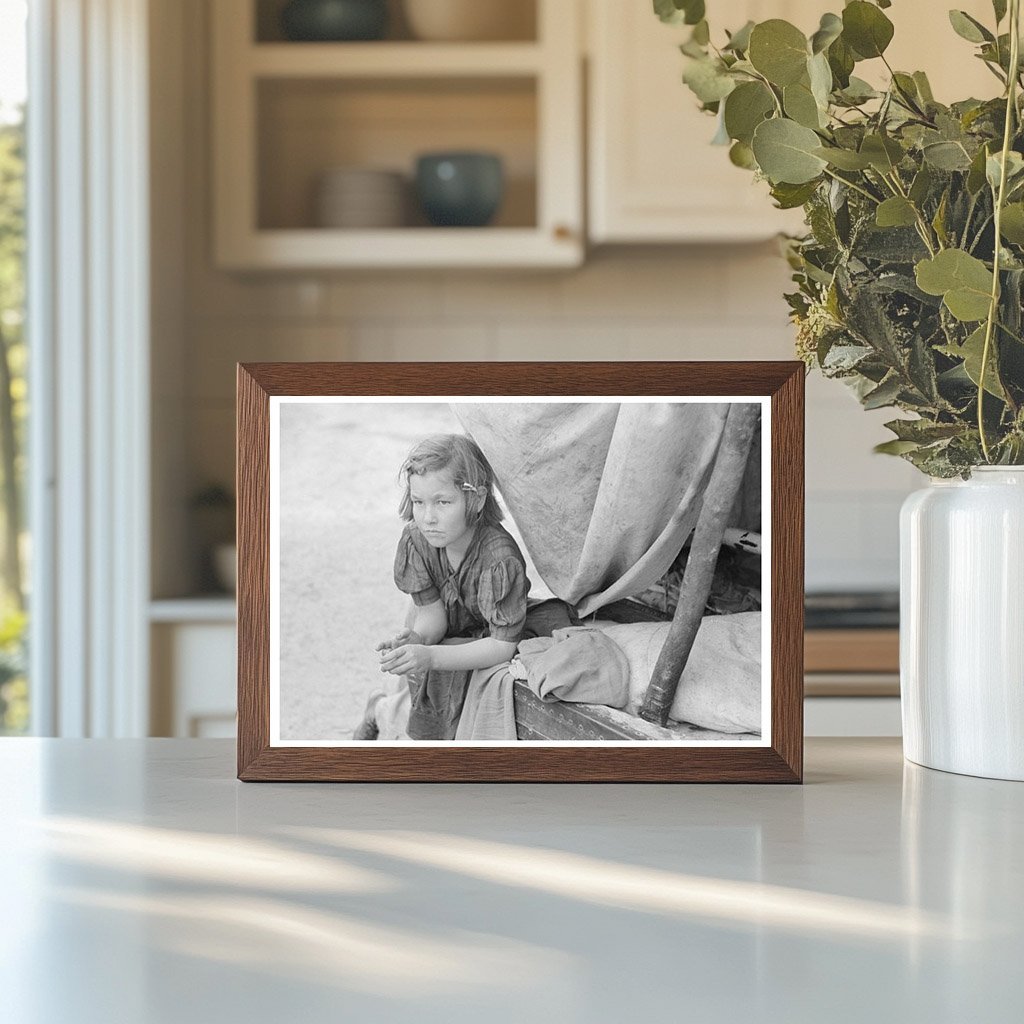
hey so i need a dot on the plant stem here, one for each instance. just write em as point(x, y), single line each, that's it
point(771, 90)
point(922, 225)
point(981, 231)
point(1011, 109)
point(850, 184)
point(1012, 334)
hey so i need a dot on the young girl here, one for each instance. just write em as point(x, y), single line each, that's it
point(465, 574)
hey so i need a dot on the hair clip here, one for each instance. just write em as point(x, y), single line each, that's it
point(470, 487)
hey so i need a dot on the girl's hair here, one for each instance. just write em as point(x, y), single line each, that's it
point(471, 472)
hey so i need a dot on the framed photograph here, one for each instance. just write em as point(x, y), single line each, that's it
point(521, 572)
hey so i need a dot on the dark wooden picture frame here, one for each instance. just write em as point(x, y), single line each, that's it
point(780, 760)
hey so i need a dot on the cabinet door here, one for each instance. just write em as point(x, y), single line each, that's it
point(653, 174)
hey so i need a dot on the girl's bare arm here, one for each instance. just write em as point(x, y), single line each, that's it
point(483, 653)
point(430, 621)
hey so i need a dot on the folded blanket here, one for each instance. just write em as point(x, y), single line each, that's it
point(578, 664)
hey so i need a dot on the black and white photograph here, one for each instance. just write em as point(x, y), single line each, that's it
point(491, 570)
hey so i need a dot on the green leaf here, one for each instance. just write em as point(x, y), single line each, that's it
point(820, 75)
point(701, 33)
point(844, 159)
point(976, 174)
point(895, 447)
point(778, 50)
point(994, 167)
point(789, 197)
point(841, 60)
point(866, 29)
point(721, 136)
point(829, 30)
point(1011, 225)
point(859, 91)
point(906, 88)
point(924, 89)
point(800, 105)
point(923, 431)
point(707, 80)
point(921, 185)
point(785, 152)
point(883, 153)
point(739, 41)
point(694, 11)
point(999, 7)
point(676, 12)
point(939, 220)
point(885, 394)
point(968, 28)
point(745, 108)
point(742, 155)
point(963, 281)
point(971, 352)
point(896, 212)
point(946, 156)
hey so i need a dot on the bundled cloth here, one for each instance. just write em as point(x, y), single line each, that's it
point(721, 685)
point(578, 664)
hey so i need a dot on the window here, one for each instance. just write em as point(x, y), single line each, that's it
point(14, 549)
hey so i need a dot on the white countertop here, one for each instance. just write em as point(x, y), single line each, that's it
point(143, 884)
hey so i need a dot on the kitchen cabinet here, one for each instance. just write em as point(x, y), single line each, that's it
point(193, 657)
point(287, 113)
point(653, 175)
point(852, 682)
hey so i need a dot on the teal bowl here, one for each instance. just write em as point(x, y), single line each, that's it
point(462, 190)
point(333, 21)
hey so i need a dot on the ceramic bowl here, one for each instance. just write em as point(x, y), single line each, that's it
point(460, 189)
point(361, 197)
point(469, 20)
point(334, 20)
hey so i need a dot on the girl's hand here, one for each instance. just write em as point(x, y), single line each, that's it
point(407, 636)
point(407, 659)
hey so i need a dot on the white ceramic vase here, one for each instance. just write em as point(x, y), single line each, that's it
point(962, 624)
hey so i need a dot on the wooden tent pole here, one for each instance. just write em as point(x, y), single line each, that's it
point(719, 497)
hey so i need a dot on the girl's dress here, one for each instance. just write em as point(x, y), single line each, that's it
point(484, 597)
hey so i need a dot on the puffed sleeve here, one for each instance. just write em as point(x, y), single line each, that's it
point(412, 576)
point(503, 589)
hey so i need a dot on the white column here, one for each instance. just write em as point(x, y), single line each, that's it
point(88, 317)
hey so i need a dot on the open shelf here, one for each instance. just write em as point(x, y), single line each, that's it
point(287, 113)
point(519, 18)
point(393, 60)
point(306, 128)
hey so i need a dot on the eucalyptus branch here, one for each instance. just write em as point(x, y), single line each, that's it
point(993, 308)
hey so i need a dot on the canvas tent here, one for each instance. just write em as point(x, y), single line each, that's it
point(606, 494)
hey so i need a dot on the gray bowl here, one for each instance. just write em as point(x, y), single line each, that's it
point(334, 20)
point(460, 189)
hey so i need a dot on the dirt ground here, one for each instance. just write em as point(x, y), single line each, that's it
point(339, 527)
